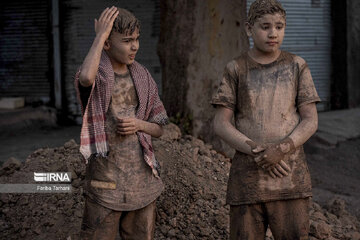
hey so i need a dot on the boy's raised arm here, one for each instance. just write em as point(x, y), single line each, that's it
point(103, 28)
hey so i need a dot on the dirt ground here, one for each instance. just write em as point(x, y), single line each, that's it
point(193, 203)
point(335, 172)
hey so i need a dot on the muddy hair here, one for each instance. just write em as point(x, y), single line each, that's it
point(261, 7)
point(125, 23)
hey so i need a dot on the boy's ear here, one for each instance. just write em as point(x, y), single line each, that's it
point(107, 44)
point(248, 29)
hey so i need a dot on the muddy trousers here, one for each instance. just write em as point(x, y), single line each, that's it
point(287, 219)
point(100, 223)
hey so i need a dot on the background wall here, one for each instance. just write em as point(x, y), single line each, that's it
point(25, 42)
point(353, 52)
point(197, 39)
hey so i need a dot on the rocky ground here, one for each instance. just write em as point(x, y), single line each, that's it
point(191, 207)
point(335, 172)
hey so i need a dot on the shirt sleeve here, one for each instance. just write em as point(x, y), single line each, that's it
point(83, 93)
point(158, 113)
point(306, 92)
point(225, 94)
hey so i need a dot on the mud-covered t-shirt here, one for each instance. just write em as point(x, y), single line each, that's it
point(123, 181)
point(265, 99)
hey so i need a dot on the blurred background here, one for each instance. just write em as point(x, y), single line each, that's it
point(185, 44)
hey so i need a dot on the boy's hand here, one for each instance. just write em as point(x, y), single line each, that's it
point(280, 170)
point(273, 153)
point(128, 126)
point(105, 23)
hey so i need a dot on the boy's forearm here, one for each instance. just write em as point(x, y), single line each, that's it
point(307, 127)
point(226, 131)
point(152, 129)
point(90, 65)
point(303, 132)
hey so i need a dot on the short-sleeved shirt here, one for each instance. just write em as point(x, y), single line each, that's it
point(125, 168)
point(265, 99)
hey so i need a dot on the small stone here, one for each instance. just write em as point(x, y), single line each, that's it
point(70, 144)
point(23, 233)
point(78, 213)
point(4, 198)
point(37, 230)
point(269, 233)
point(337, 206)
point(204, 231)
point(171, 233)
point(23, 200)
point(76, 183)
point(171, 132)
point(164, 229)
point(205, 151)
point(11, 165)
point(191, 236)
point(199, 173)
point(195, 154)
point(173, 222)
point(321, 230)
point(318, 216)
point(353, 235)
point(207, 159)
point(198, 142)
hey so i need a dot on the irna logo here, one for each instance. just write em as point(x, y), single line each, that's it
point(52, 177)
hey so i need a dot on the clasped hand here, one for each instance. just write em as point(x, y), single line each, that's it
point(128, 126)
point(271, 157)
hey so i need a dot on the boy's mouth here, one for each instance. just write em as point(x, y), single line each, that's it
point(271, 43)
point(132, 56)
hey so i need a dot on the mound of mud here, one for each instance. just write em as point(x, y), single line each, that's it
point(191, 207)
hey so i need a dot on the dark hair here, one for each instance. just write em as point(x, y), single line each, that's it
point(125, 22)
point(261, 7)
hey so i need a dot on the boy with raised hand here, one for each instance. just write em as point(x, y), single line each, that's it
point(121, 111)
point(272, 94)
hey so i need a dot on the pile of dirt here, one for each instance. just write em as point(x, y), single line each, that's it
point(191, 207)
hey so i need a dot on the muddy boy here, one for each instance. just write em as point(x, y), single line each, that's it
point(272, 96)
point(121, 111)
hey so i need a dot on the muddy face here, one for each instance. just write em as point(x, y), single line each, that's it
point(267, 33)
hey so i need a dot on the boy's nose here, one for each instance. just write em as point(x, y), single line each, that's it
point(134, 46)
point(272, 33)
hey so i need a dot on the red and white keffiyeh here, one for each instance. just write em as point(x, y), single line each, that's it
point(93, 137)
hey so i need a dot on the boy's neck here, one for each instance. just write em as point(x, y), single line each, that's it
point(262, 57)
point(119, 68)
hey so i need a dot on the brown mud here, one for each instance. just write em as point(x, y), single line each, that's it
point(191, 207)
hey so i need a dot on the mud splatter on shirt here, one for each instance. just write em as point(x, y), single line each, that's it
point(265, 99)
point(136, 186)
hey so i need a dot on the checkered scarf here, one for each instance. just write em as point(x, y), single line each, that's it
point(93, 137)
